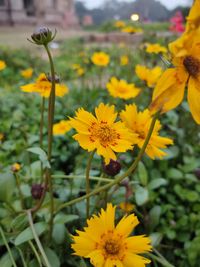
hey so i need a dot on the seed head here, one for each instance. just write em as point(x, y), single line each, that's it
point(42, 36)
point(36, 191)
point(113, 168)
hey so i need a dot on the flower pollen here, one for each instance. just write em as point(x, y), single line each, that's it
point(192, 65)
point(112, 247)
point(104, 133)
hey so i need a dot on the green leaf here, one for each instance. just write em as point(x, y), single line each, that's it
point(175, 174)
point(156, 183)
point(42, 156)
point(141, 195)
point(154, 216)
point(7, 186)
point(193, 251)
point(20, 222)
point(27, 234)
point(156, 238)
point(52, 257)
point(192, 196)
point(65, 218)
point(59, 233)
point(5, 260)
point(33, 263)
point(143, 175)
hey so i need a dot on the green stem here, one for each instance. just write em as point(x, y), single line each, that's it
point(8, 248)
point(120, 178)
point(164, 263)
point(95, 178)
point(19, 190)
point(51, 110)
point(42, 122)
point(36, 253)
point(87, 175)
point(41, 131)
point(22, 257)
point(37, 240)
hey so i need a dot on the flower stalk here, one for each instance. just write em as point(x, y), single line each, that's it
point(87, 175)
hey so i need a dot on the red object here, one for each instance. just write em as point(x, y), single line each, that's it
point(177, 23)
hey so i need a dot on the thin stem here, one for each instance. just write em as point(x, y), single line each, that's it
point(36, 253)
point(37, 240)
point(95, 178)
point(19, 190)
point(51, 107)
point(42, 121)
point(164, 263)
point(51, 110)
point(41, 131)
point(22, 257)
point(120, 178)
point(8, 248)
point(87, 175)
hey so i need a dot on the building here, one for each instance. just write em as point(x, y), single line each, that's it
point(38, 12)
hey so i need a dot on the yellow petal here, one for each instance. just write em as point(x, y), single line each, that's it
point(96, 258)
point(127, 224)
point(169, 99)
point(194, 98)
point(84, 141)
point(132, 260)
point(105, 113)
point(138, 244)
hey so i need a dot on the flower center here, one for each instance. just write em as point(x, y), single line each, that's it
point(192, 65)
point(112, 247)
point(104, 133)
point(122, 89)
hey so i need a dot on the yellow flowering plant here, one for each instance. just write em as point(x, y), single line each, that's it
point(149, 75)
point(122, 89)
point(72, 202)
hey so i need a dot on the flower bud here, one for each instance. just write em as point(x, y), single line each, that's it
point(197, 173)
point(113, 168)
point(36, 191)
point(15, 167)
point(43, 36)
point(57, 78)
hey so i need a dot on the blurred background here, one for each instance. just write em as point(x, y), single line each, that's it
point(74, 18)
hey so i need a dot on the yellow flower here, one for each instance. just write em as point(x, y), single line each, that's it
point(80, 71)
point(2, 65)
point(131, 29)
point(150, 76)
point(42, 86)
point(100, 59)
point(75, 66)
point(139, 123)
point(170, 88)
point(27, 73)
point(15, 167)
point(122, 89)
point(101, 132)
point(155, 48)
point(107, 245)
point(120, 24)
point(124, 60)
point(193, 19)
point(126, 207)
point(1, 136)
point(61, 127)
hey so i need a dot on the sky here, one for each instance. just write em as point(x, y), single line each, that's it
point(170, 4)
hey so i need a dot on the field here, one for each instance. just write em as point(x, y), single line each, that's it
point(59, 165)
